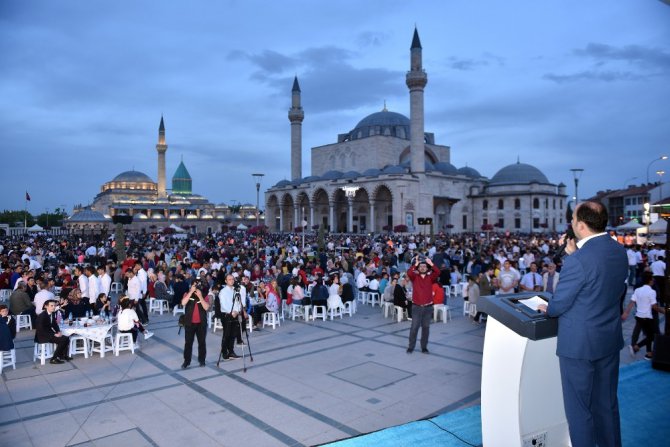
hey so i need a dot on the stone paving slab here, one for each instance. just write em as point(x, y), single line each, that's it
point(309, 383)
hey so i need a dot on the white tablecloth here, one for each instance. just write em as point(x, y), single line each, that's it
point(95, 332)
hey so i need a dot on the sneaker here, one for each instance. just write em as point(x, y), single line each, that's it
point(409, 350)
point(184, 365)
point(409, 319)
point(67, 358)
point(425, 351)
point(56, 361)
point(234, 356)
point(202, 364)
point(137, 346)
point(148, 335)
point(240, 343)
point(648, 356)
point(632, 350)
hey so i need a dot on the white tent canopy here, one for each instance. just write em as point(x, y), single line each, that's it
point(630, 225)
point(35, 229)
point(177, 228)
point(242, 227)
point(659, 226)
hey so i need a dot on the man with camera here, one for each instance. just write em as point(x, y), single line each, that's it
point(422, 300)
point(232, 302)
point(195, 323)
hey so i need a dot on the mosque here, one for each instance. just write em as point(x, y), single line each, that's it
point(135, 194)
point(387, 173)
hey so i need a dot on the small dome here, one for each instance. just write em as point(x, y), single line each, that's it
point(282, 183)
point(394, 170)
point(446, 168)
point(469, 172)
point(133, 176)
point(87, 215)
point(351, 174)
point(332, 175)
point(518, 173)
point(372, 172)
point(382, 123)
point(311, 178)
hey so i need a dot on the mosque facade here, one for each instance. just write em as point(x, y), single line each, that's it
point(153, 207)
point(387, 173)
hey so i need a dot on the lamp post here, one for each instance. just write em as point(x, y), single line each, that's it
point(257, 177)
point(662, 157)
point(576, 174)
point(660, 186)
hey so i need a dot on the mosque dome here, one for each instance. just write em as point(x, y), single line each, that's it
point(469, 172)
point(397, 169)
point(332, 175)
point(88, 215)
point(181, 180)
point(132, 176)
point(518, 173)
point(382, 123)
point(446, 168)
point(282, 183)
point(372, 172)
point(351, 175)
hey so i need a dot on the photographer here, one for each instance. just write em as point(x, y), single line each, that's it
point(195, 323)
point(232, 302)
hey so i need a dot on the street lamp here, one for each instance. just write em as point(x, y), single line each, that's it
point(662, 157)
point(258, 177)
point(577, 173)
point(660, 186)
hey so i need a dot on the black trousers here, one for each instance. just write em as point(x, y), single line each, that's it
point(192, 331)
point(231, 330)
point(647, 326)
point(142, 311)
point(62, 345)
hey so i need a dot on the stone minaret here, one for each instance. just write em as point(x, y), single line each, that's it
point(416, 80)
point(295, 116)
point(161, 148)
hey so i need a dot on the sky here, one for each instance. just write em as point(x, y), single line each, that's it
point(558, 84)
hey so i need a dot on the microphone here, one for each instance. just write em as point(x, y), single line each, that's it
point(569, 234)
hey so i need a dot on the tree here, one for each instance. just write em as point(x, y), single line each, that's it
point(16, 218)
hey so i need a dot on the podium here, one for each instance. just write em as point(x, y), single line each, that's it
point(521, 395)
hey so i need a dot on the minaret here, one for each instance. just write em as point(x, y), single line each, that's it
point(295, 116)
point(416, 80)
point(161, 148)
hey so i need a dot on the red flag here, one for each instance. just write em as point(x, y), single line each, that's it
point(27, 196)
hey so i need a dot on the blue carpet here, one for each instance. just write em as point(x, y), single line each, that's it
point(644, 401)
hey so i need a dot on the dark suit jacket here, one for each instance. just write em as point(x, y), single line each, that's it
point(45, 327)
point(586, 300)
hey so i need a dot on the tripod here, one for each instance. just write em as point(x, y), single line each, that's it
point(228, 329)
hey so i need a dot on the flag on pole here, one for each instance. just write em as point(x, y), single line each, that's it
point(27, 196)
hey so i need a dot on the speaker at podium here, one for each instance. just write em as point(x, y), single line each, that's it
point(521, 395)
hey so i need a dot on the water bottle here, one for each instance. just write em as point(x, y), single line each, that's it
point(69, 317)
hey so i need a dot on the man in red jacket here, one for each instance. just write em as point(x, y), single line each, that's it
point(422, 300)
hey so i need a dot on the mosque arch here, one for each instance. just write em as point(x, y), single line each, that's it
point(287, 221)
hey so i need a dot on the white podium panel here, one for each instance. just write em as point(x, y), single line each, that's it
point(521, 395)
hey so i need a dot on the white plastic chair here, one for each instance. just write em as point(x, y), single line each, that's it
point(271, 319)
point(399, 313)
point(217, 325)
point(23, 322)
point(335, 312)
point(319, 312)
point(102, 346)
point(387, 308)
point(43, 351)
point(78, 345)
point(297, 310)
point(178, 309)
point(123, 342)
point(116, 287)
point(373, 298)
point(443, 310)
point(7, 358)
point(349, 307)
point(466, 308)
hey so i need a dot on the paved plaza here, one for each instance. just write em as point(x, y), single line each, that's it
point(310, 383)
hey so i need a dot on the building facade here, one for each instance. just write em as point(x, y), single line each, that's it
point(388, 172)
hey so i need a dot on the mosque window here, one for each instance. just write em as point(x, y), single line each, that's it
point(536, 203)
point(536, 222)
point(546, 204)
point(517, 205)
point(554, 203)
point(465, 221)
point(485, 204)
point(501, 204)
point(517, 223)
point(501, 222)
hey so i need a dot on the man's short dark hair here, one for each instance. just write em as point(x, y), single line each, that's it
point(593, 214)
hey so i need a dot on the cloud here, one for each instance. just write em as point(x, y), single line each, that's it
point(604, 76)
point(371, 39)
point(635, 55)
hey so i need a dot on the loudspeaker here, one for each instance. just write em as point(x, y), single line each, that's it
point(661, 359)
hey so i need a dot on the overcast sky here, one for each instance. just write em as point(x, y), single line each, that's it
point(559, 84)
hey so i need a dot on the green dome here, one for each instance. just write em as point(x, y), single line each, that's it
point(181, 180)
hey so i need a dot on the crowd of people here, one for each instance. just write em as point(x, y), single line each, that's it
point(77, 273)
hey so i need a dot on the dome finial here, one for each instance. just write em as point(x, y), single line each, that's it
point(385, 109)
point(518, 160)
